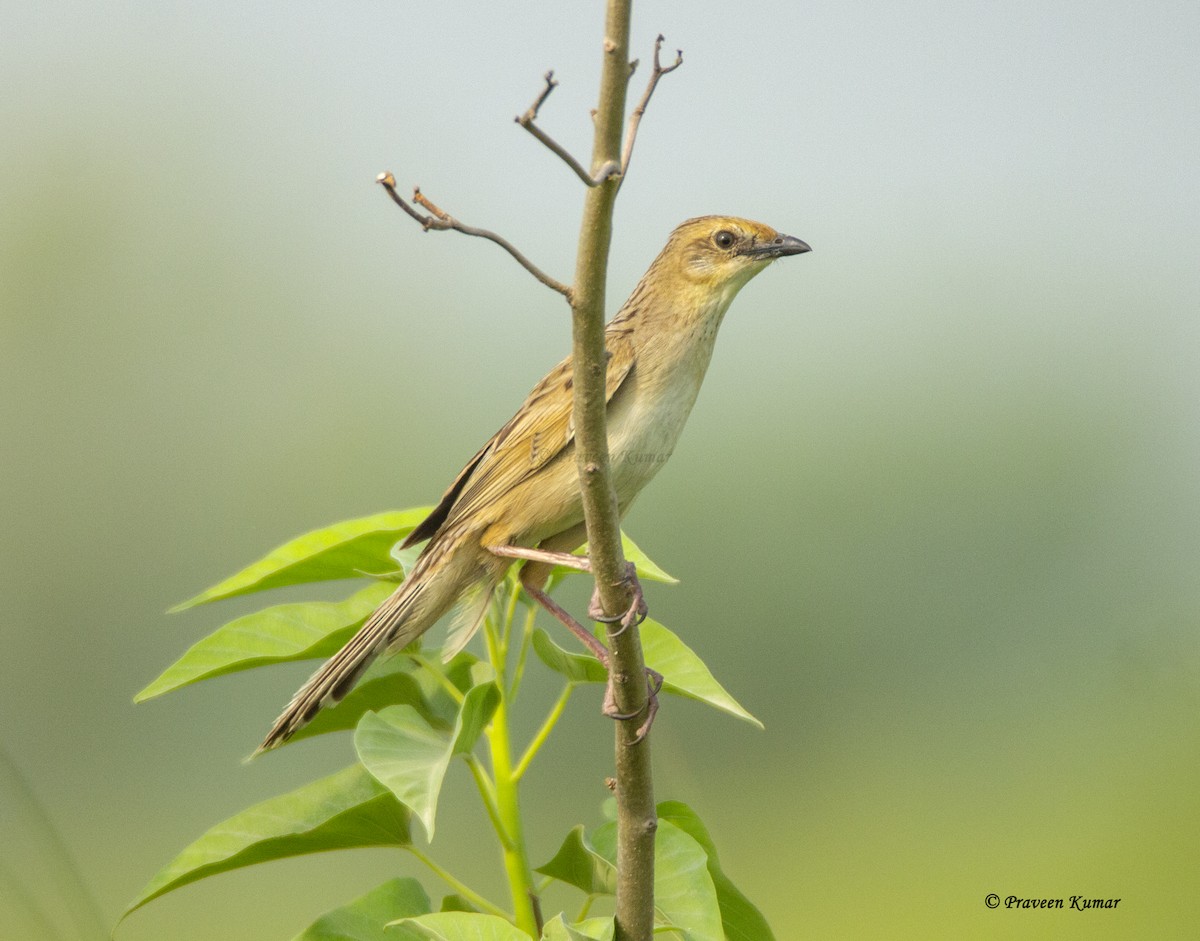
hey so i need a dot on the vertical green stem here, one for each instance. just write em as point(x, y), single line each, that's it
point(507, 783)
point(516, 857)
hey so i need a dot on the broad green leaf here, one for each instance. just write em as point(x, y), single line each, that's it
point(463, 926)
point(741, 919)
point(464, 672)
point(646, 568)
point(579, 864)
point(683, 889)
point(683, 672)
point(592, 929)
point(344, 810)
point(456, 903)
point(279, 634)
point(350, 549)
point(684, 894)
point(576, 667)
point(367, 917)
point(556, 930)
point(388, 682)
point(477, 710)
point(409, 757)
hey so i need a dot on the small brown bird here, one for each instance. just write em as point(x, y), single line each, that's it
point(521, 491)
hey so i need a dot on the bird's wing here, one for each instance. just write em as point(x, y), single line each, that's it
point(540, 430)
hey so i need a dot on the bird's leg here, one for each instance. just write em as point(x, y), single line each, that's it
point(637, 609)
point(533, 577)
point(563, 616)
point(581, 563)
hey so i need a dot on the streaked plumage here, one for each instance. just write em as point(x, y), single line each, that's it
point(521, 488)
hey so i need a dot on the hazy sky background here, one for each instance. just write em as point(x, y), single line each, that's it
point(936, 514)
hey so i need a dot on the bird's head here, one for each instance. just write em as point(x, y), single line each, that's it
point(705, 262)
point(721, 253)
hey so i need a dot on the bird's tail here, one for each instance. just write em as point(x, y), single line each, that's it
point(423, 597)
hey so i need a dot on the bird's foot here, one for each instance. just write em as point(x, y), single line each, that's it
point(654, 682)
point(636, 612)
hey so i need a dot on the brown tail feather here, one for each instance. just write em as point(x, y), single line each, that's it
point(411, 610)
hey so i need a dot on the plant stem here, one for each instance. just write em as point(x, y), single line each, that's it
point(505, 809)
point(458, 885)
point(510, 611)
point(436, 671)
point(636, 818)
point(508, 809)
point(544, 732)
point(522, 652)
point(487, 793)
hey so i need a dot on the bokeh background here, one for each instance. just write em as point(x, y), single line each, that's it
point(936, 515)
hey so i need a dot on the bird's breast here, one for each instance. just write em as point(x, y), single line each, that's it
point(647, 415)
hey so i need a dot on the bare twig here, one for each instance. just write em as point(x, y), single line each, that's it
point(440, 221)
point(527, 120)
point(636, 117)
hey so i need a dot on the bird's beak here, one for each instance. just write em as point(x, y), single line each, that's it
point(778, 247)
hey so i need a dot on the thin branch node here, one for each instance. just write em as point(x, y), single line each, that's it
point(608, 171)
point(422, 200)
point(531, 112)
point(441, 220)
point(635, 118)
point(527, 121)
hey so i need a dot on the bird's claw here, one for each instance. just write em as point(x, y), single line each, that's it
point(654, 682)
point(637, 608)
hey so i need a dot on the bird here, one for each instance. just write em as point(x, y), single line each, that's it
point(518, 498)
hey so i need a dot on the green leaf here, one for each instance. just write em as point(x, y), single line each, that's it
point(477, 711)
point(463, 926)
point(556, 930)
point(387, 682)
point(578, 863)
point(576, 667)
point(279, 634)
point(684, 894)
point(406, 755)
point(350, 549)
point(344, 810)
point(409, 757)
point(742, 921)
point(456, 903)
point(465, 672)
point(684, 673)
point(646, 568)
point(592, 929)
point(366, 918)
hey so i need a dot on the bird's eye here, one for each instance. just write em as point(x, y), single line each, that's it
point(724, 239)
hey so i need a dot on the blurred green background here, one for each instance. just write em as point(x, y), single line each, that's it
point(937, 513)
